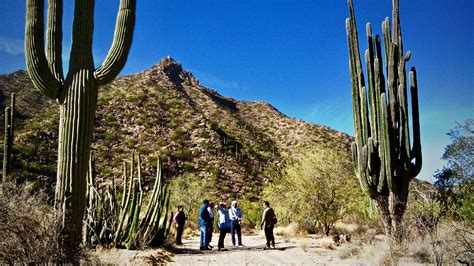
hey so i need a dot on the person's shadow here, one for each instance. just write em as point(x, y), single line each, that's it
point(194, 250)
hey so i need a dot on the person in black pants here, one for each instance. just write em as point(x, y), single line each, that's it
point(235, 216)
point(223, 224)
point(179, 219)
point(210, 228)
point(268, 222)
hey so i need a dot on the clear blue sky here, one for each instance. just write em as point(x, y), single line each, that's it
point(292, 54)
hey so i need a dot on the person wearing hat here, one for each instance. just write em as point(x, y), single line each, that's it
point(235, 216)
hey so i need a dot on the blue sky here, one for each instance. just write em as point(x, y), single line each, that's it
point(292, 54)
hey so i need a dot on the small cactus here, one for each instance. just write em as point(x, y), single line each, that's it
point(8, 138)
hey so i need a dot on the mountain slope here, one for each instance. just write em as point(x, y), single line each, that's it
point(164, 111)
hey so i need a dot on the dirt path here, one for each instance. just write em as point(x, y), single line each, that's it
point(302, 251)
point(309, 250)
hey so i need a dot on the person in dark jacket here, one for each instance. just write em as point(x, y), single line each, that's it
point(210, 228)
point(204, 220)
point(179, 220)
point(268, 224)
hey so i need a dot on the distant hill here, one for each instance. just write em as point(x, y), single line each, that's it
point(165, 111)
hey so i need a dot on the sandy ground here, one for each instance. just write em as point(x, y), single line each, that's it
point(301, 251)
point(310, 250)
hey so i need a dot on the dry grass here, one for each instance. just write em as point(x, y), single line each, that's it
point(346, 228)
point(29, 231)
point(288, 232)
point(304, 244)
point(188, 233)
point(328, 245)
point(351, 253)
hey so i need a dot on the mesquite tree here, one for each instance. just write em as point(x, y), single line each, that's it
point(76, 94)
point(384, 158)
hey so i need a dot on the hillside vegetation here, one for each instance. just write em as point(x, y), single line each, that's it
point(164, 111)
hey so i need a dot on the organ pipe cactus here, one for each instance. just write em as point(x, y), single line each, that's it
point(8, 137)
point(76, 93)
point(126, 223)
point(385, 160)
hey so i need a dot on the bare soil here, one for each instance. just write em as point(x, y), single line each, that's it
point(309, 250)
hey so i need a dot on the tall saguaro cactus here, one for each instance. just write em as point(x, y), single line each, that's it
point(76, 94)
point(384, 158)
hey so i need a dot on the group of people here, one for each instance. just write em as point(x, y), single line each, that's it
point(230, 220)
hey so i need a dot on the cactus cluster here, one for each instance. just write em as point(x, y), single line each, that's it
point(385, 159)
point(8, 138)
point(126, 223)
point(76, 94)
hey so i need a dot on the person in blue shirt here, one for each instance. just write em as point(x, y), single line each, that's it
point(235, 216)
point(223, 225)
point(204, 220)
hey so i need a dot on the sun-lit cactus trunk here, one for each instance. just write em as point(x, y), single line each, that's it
point(77, 111)
point(76, 95)
point(384, 158)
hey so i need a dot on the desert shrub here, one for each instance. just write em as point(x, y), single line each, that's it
point(316, 191)
point(252, 212)
point(183, 154)
point(29, 231)
point(189, 190)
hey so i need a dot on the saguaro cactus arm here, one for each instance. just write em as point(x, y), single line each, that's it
point(36, 61)
point(121, 44)
point(416, 149)
point(54, 37)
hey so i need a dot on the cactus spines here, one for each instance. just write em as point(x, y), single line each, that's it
point(385, 159)
point(76, 94)
point(8, 138)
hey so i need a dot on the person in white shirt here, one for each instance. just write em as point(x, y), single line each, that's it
point(224, 225)
point(235, 216)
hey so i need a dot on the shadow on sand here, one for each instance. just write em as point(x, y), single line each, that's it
point(189, 250)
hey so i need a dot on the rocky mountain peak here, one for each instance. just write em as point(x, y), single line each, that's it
point(171, 69)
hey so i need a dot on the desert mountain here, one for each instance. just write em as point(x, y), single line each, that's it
point(164, 111)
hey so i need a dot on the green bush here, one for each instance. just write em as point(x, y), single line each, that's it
point(315, 191)
point(189, 190)
point(252, 212)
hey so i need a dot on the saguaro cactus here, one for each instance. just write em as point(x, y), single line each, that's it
point(8, 138)
point(384, 159)
point(76, 95)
